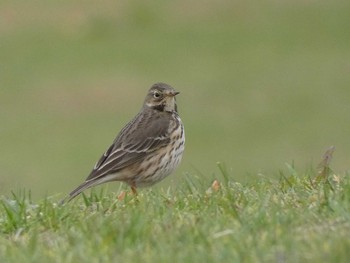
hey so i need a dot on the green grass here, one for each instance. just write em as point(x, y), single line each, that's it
point(293, 219)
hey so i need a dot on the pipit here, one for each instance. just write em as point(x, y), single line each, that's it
point(147, 149)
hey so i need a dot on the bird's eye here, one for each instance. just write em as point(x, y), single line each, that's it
point(156, 94)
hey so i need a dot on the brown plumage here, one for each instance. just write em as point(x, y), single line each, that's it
point(147, 149)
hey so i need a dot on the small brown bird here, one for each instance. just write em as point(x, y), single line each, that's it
point(147, 149)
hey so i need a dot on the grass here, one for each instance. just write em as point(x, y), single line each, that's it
point(298, 218)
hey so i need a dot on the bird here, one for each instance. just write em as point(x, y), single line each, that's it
point(148, 149)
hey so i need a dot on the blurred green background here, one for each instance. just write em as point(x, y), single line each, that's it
point(262, 83)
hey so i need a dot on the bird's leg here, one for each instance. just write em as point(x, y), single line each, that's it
point(122, 195)
point(133, 189)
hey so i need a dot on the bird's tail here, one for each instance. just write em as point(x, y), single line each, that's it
point(78, 190)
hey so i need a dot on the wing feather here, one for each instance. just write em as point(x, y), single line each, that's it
point(135, 141)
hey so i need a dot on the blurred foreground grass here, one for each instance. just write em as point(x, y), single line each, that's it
point(262, 83)
point(294, 219)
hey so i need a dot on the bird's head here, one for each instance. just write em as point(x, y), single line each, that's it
point(161, 97)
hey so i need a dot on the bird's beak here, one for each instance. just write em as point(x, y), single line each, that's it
point(173, 94)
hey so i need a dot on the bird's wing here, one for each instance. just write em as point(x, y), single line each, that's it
point(137, 139)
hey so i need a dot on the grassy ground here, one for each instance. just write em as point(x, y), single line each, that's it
point(299, 218)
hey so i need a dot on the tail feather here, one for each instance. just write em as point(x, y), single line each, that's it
point(78, 191)
point(87, 184)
